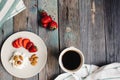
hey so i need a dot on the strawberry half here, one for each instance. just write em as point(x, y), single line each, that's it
point(29, 44)
point(46, 20)
point(25, 42)
point(53, 25)
point(20, 41)
point(16, 43)
point(33, 49)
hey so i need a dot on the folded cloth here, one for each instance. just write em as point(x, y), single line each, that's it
point(16, 7)
point(92, 72)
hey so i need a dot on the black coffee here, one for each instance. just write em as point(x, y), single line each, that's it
point(71, 60)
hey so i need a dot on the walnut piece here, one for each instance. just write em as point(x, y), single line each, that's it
point(33, 59)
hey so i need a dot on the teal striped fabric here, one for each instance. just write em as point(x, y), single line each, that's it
point(2, 3)
point(16, 8)
point(92, 72)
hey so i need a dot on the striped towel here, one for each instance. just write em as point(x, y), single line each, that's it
point(92, 72)
point(10, 8)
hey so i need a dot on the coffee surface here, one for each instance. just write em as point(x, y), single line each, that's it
point(71, 60)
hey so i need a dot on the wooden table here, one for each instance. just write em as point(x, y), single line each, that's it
point(90, 25)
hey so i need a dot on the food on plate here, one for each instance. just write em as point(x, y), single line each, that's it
point(19, 60)
point(33, 59)
point(16, 44)
point(20, 41)
point(47, 22)
point(25, 43)
point(29, 44)
point(33, 48)
point(53, 25)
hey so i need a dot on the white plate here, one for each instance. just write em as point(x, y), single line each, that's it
point(7, 51)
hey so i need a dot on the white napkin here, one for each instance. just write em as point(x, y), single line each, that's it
point(14, 7)
point(92, 72)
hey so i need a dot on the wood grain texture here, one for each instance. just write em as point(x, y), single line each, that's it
point(112, 30)
point(92, 31)
point(5, 31)
point(90, 25)
point(69, 30)
point(27, 20)
point(51, 40)
point(97, 35)
point(69, 27)
point(85, 24)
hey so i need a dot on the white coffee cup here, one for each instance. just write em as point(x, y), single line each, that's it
point(74, 50)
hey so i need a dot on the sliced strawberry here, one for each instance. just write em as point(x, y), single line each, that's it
point(20, 41)
point(29, 44)
point(33, 49)
point(24, 42)
point(16, 44)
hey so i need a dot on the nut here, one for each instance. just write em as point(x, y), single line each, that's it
point(21, 58)
point(35, 58)
point(15, 58)
point(19, 62)
point(33, 63)
point(30, 59)
point(34, 55)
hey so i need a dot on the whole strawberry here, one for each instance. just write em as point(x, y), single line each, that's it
point(53, 25)
point(43, 13)
point(46, 20)
point(45, 25)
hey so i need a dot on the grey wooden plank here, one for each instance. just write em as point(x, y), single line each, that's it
point(92, 31)
point(69, 30)
point(5, 31)
point(69, 24)
point(97, 35)
point(85, 23)
point(51, 70)
point(27, 20)
point(112, 30)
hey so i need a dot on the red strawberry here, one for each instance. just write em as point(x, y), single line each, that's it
point(16, 43)
point(46, 20)
point(53, 25)
point(33, 49)
point(45, 25)
point(29, 44)
point(20, 41)
point(24, 42)
point(43, 14)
